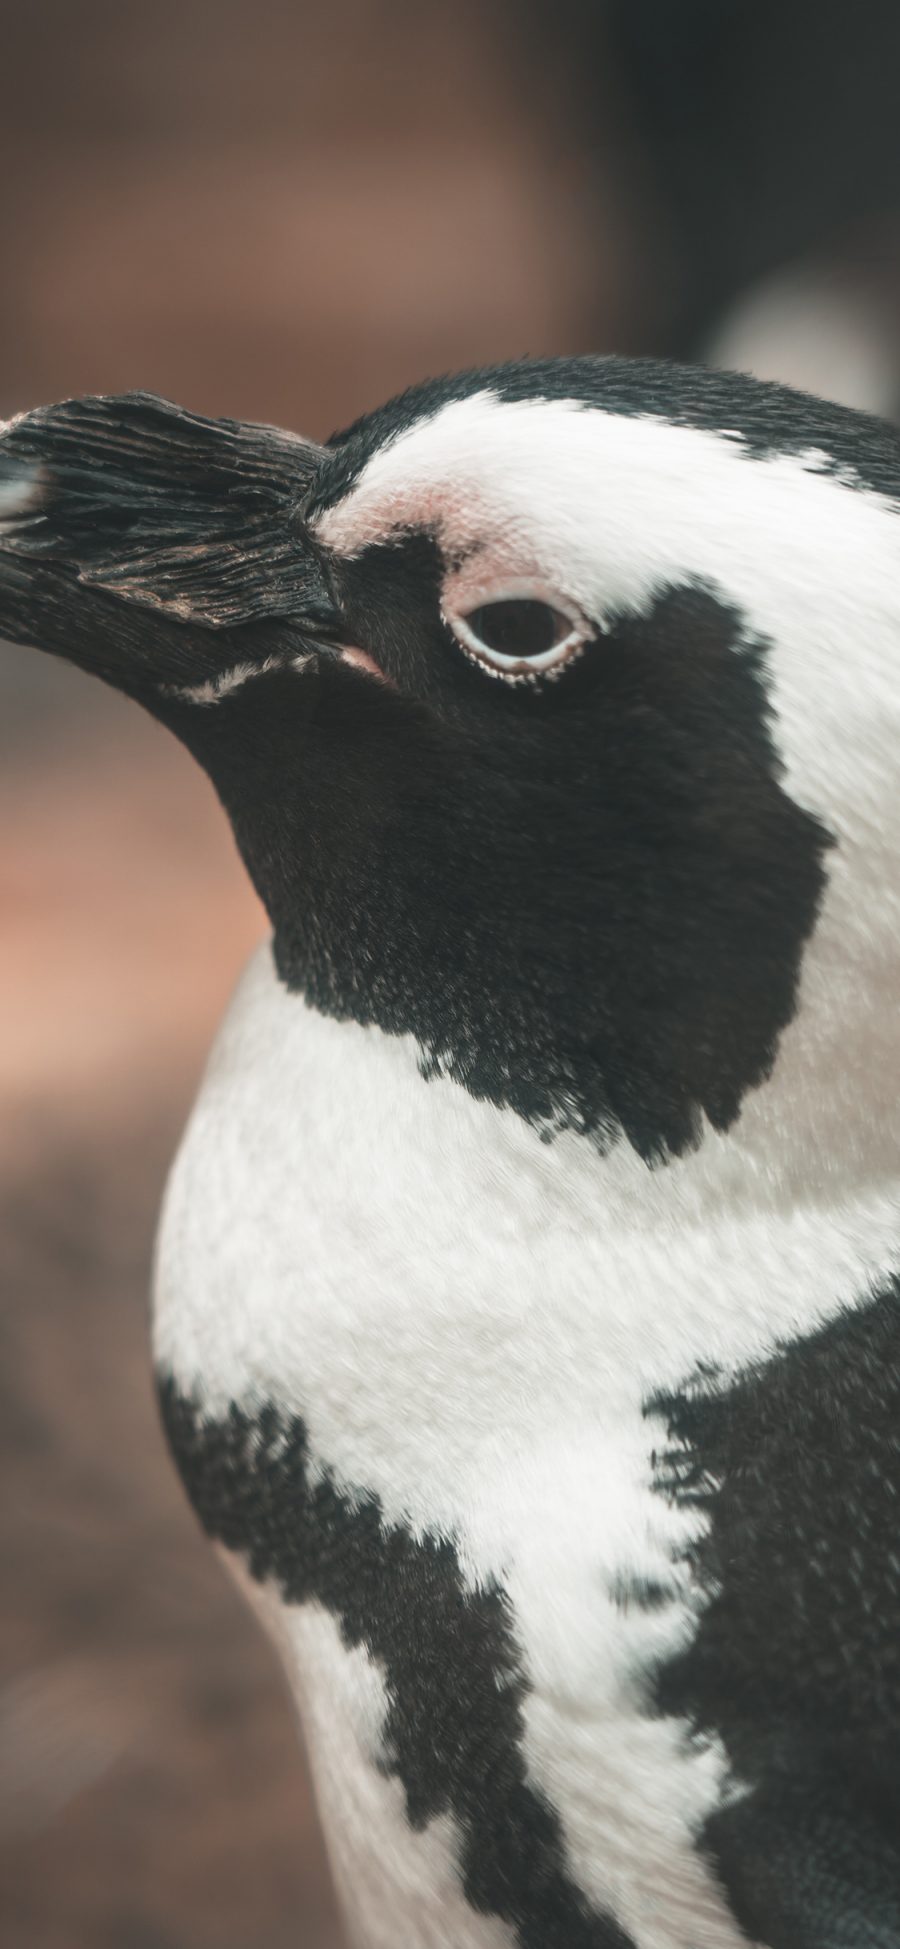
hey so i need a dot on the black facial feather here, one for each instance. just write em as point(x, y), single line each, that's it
point(587, 904)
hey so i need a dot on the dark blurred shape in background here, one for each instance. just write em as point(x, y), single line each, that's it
point(764, 137)
point(286, 211)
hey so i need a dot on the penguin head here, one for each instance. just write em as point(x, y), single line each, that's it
point(546, 704)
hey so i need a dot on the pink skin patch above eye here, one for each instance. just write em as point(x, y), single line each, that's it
point(361, 660)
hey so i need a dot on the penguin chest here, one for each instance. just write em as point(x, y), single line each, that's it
point(405, 1362)
point(403, 1394)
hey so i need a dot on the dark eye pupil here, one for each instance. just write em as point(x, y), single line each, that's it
point(518, 628)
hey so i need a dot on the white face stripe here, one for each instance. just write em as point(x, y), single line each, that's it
point(611, 510)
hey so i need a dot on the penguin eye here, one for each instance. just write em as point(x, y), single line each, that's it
point(518, 637)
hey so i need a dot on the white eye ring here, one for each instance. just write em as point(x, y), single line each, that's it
point(522, 666)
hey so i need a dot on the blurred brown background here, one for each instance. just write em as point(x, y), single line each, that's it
point(285, 211)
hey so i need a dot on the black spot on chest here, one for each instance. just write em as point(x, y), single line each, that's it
point(796, 1662)
point(455, 1687)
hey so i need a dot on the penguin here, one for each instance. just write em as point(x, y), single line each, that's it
point(527, 1293)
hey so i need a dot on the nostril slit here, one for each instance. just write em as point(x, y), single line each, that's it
point(323, 615)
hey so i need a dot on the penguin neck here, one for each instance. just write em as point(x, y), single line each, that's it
point(412, 1269)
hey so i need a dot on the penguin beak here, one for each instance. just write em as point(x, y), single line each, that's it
point(154, 547)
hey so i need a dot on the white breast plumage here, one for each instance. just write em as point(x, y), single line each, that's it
point(470, 1323)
